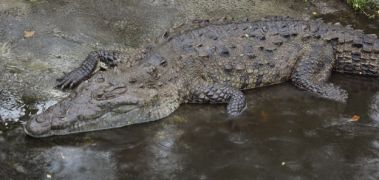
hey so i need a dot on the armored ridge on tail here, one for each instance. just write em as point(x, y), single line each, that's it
point(210, 63)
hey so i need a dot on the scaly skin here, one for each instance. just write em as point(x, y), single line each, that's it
point(110, 58)
point(208, 64)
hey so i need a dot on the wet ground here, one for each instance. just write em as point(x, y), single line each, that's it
point(284, 134)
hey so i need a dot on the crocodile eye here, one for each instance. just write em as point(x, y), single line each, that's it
point(110, 93)
point(132, 80)
point(165, 35)
point(163, 63)
point(100, 79)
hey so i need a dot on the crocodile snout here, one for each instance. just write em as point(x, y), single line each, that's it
point(37, 127)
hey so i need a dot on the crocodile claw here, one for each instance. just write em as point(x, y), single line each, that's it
point(70, 80)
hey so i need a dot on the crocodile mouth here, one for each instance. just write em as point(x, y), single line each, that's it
point(49, 124)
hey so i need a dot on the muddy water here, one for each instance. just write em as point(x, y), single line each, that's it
point(284, 134)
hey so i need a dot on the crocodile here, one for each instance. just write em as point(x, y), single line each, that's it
point(209, 63)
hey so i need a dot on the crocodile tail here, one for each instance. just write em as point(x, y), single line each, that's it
point(356, 52)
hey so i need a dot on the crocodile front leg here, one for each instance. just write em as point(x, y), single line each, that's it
point(89, 65)
point(220, 93)
point(314, 69)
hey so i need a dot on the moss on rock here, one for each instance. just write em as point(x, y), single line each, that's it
point(367, 7)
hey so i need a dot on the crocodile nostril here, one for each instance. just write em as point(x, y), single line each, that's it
point(37, 127)
point(39, 119)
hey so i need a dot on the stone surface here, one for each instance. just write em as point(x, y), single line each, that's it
point(197, 142)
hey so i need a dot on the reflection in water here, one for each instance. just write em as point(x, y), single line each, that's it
point(369, 165)
point(164, 160)
point(78, 163)
point(374, 108)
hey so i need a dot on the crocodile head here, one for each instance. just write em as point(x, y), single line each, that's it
point(108, 100)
